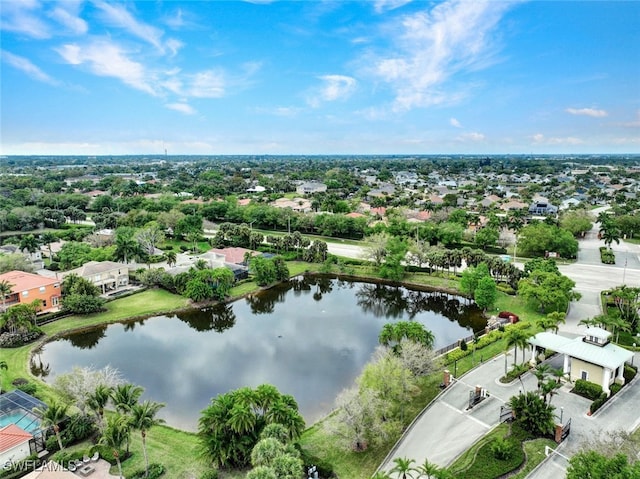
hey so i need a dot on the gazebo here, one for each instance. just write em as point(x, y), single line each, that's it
point(591, 356)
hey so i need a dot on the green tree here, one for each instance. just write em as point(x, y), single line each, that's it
point(486, 237)
point(533, 414)
point(548, 291)
point(29, 243)
point(52, 416)
point(125, 397)
point(126, 246)
point(516, 338)
point(471, 276)
point(171, 257)
point(47, 239)
point(143, 418)
point(577, 222)
point(115, 434)
point(486, 293)
point(403, 467)
point(393, 333)
point(97, 402)
point(593, 465)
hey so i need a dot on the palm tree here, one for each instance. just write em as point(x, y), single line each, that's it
point(52, 416)
point(428, 469)
point(114, 435)
point(5, 366)
point(48, 238)
point(29, 243)
point(124, 397)
point(98, 401)
point(540, 372)
point(6, 289)
point(516, 338)
point(402, 467)
point(557, 317)
point(610, 233)
point(143, 418)
point(171, 257)
point(617, 324)
point(126, 246)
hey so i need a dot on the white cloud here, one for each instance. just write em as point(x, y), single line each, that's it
point(17, 16)
point(540, 139)
point(472, 136)
point(26, 66)
point(454, 122)
point(335, 87)
point(66, 14)
point(207, 84)
point(119, 16)
point(108, 59)
point(182, 108)
point(381, 6)
point(592, 112)
point(433, 45)
point(633, 123)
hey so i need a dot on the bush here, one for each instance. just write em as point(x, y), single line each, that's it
point(615, 388)
point(463, 345)
point(210, 474)
point(15, 340)
point(155, 470)
point(51, 444)
point(515, 372)
point(501, 449)
point(629, 373)
point(506, 289)
point(28, 388)
point(456, 355)
point(82, 304)
point(607, 256)
point(54, 266)
point(597, 404)
point(587, 389)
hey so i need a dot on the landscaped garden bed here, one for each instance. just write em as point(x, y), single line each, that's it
point(607, 256)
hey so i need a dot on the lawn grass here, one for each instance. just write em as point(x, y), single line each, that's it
point(479, 461)
point(146, 303)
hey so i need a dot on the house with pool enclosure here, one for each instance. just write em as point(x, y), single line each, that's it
point(20, 432)
point(590, 356)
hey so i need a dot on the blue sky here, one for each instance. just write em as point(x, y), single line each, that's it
point(319, 77)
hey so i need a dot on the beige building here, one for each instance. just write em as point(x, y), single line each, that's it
point(106, 275)
point(591, 356)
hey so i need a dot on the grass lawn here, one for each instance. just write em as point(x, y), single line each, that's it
point(479, 461)
point(149, 302)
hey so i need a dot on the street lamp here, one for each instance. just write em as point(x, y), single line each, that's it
point(561, 414)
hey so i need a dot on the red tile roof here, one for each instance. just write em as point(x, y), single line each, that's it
point(12, 436)
point(234, 255)
point(22, 281)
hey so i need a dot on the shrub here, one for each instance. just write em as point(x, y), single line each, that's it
point(607, 256)
point(54, 266)
point(517, 371)
point(15, 340)
point(456, 355)
point(629, 373)
point(615, 388)
point(597, 404)
point(506, 289)
point(28, 388)
point(502, 449)
point(587, 389)
point(51, 444)
point(209, 474)
point(463, 345)
point(155, 470)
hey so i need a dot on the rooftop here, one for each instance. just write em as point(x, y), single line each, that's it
point(22, 281)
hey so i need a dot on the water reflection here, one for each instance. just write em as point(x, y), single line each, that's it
point(310, 338)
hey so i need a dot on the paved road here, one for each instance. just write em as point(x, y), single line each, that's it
point(447, 427)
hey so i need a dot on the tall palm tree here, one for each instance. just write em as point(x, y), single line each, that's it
point(3, 366)
point(124, 397)
point(143, 418)
point(6, 289)
point(29, 243)
point(403, 467)
point(48, 238)
point(114, 435)
point(52, 416)
point(428, 469)
point(557, 317)
point(97, 401)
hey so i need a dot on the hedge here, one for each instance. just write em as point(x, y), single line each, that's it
point(588, 389)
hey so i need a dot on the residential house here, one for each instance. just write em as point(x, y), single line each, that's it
point(590, 357)
point(542, 207)
point(311, 187)
point(296, 204)
point(34, 258)
point(108, 276)
point(14, 444)
point(27, 287)
point(513, 205)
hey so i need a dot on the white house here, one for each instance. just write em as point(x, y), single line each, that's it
point(311, 187)
point(590, 357)
point(14, 444)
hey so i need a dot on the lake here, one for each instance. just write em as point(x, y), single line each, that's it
point(309, 337)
